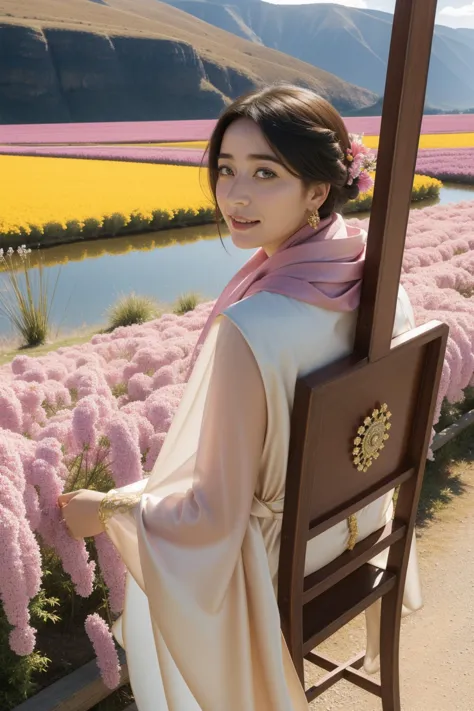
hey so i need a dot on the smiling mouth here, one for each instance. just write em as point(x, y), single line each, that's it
point(242, 221)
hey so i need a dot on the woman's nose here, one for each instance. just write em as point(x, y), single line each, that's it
point(238, 193)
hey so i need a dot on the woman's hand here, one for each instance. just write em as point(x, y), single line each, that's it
point(80, 511)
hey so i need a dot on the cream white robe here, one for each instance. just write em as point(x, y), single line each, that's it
point(201, 536)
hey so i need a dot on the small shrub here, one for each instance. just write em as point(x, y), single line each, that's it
point(25, 300)
point(205, 214)
point(73, 229)
point(114, 224)
point(161, 219)
point(183, 217)
point(138, 222)
point(53, 230)
point(186, 302)
point(92, 228)
point(132, 309)
point(451, 412)
point(19, 675)
point(35, 232)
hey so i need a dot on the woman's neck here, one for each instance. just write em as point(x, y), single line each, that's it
point(270, 249)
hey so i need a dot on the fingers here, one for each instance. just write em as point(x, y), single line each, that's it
point(69, 532)
point(64, 519)
point(64, 499)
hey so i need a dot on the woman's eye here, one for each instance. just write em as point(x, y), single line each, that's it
point(265, 173)
point(224, 170)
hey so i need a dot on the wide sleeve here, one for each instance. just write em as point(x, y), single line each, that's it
point(201, 528)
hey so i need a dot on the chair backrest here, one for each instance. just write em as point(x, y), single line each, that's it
point(359, 430)
point(340, 414)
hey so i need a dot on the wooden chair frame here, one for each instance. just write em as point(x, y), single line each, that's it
point(328, 481)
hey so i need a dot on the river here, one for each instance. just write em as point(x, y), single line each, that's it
point(94, 274)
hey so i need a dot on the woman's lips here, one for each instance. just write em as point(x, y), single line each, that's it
point(236, 225)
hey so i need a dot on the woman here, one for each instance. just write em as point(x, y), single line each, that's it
point(200, 537)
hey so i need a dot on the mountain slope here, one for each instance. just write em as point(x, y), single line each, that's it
point(105, 60)
point(348, 42)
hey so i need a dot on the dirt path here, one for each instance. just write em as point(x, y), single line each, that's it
point(437, 646)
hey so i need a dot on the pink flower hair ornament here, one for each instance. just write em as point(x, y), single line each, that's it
point(361, 163)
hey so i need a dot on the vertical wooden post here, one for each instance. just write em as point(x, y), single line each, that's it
point(404, 99)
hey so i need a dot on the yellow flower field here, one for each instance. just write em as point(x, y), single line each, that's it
point(423, 188)
point(40, 191)
point(434, 140)
point(64, 199)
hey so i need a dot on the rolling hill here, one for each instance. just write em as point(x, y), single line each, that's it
point(351, 43)
point(124, 60)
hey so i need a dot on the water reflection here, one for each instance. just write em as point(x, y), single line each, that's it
point(160, 264)
point(166, 264)
point(123, 244)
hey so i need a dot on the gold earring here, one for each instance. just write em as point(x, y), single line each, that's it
point(314, 219)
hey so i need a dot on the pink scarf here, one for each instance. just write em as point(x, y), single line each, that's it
point(322, 267)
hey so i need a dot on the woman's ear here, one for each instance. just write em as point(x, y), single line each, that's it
point(318, 195)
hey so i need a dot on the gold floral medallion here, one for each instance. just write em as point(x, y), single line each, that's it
point(371, 438)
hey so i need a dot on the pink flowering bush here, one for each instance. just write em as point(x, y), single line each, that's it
point(90, 416)
point(104, 647)
point(96, 415)
point(438, 274)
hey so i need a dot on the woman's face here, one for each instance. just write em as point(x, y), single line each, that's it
point(261, 201)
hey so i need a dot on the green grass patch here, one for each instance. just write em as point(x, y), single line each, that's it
point(186, 302)
point(132, 309)
point(443, 480)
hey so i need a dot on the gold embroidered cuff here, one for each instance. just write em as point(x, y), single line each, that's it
point(115, 502)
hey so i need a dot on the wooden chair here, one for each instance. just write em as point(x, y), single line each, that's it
point(361, 427)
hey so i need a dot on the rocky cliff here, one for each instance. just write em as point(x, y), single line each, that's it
point(59, 75)
point(124, 60)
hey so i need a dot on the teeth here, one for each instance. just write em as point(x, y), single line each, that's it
point(244, 222)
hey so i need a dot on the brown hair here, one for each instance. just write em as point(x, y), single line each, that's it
point(305, 132)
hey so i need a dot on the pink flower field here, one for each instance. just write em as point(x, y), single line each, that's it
point(455, 164)
point(134, 154)
point(174, 131)
point(460, 123)
point(113, 132)
point(108, 404)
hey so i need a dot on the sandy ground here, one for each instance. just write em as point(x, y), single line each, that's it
point(437, 645)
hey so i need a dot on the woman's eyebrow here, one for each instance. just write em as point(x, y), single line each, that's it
point(254, 156)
